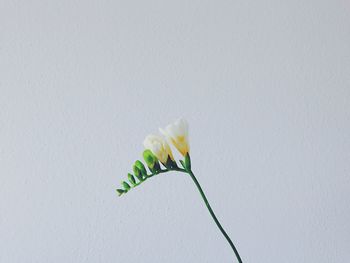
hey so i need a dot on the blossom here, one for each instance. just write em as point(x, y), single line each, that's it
point(177, 134)
point(159, 147)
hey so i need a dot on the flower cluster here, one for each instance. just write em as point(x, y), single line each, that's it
point(158, 153)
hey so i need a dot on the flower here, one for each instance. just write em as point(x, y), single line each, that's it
point(177, 133)
point(159, 147)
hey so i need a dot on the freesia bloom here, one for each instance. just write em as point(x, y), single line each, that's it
point(177, 133)
point(159, 147)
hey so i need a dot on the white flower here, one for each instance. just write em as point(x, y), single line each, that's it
point(177, 133)
point(159, 147)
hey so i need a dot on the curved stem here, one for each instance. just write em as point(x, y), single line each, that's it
point(159, 172)
point(214, 217)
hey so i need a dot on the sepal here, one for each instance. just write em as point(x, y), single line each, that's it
point(170, 164)
point(188, 162)
point(183, 164)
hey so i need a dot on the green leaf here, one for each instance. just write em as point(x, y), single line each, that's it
point(131, 179)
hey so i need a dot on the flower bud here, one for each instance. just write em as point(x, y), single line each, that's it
point(137, 172)
point(120, 191)
point(159, 147)
point(141, 167)
point(126, 186)
point(177, 134)
point(151, 161)
point(131, 179)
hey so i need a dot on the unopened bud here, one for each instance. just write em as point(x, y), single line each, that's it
point(137, 172)
point(120, 191)
point(151, 160)
point(131, 179)
point(126, 186)
point(141, 167)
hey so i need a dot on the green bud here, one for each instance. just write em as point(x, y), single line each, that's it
point(149, 158)
point(131, 179)
point(141, 167)
point(137, 172)
point(151, 161)
point(126, 186)
point(120, 191)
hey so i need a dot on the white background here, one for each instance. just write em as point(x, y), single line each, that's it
point(264, 86)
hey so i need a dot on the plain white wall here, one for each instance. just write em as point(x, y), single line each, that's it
point(263, 84)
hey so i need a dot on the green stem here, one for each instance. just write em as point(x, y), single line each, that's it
point(159, 172)
point(213, 216)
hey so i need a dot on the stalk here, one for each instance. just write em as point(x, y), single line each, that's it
point(214, 216)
